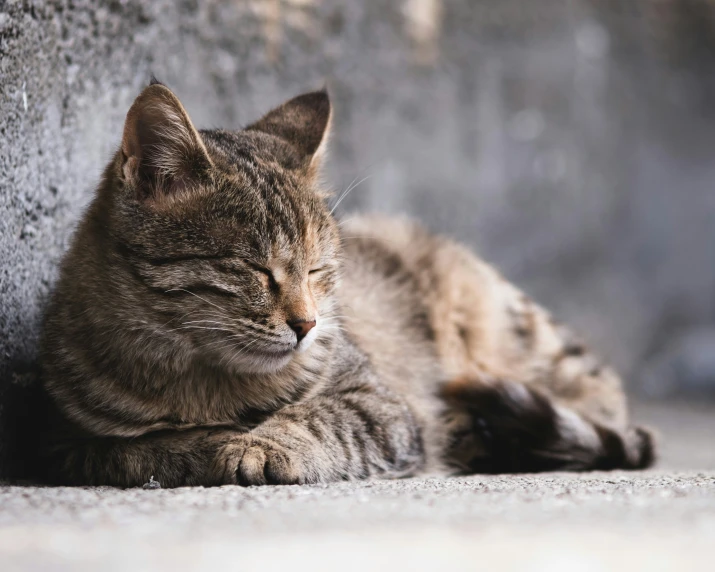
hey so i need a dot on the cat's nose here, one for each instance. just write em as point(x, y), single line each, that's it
point(301, 327)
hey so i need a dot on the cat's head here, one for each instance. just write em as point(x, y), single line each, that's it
point(228, 231)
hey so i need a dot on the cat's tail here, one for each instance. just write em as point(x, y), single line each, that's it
point(512, 428)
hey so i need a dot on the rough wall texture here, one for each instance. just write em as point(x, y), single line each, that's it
point(572, 143)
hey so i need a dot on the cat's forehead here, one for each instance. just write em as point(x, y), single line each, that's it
point(257, 200)
point(264, 223)
point(243, 149)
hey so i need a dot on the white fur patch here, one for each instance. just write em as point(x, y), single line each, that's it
point(309, 338)
point(574, 429)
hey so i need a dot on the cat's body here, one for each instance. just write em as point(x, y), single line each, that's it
point(212, 324)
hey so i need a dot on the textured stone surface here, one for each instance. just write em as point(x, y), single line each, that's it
point(594, 522)
point(663, 519)
point(572, 145)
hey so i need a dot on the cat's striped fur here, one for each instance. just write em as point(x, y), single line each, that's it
point(212, 324)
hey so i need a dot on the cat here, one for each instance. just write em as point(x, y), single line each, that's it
point(213, 324)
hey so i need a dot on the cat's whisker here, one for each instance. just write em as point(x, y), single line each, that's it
point(335, 325)
point(178, 318)
point(193, 294)
point(207, 322)
point(220, 345)
point(247, 345)
point(326, 324)
point(240, 351)
point(236, 339)
point(329, 330)
point(160, 329)
point(347, 191)
point(231, 339)
point(204, 328)
point(201, 328)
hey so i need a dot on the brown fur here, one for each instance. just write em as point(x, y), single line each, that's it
point(170, 345)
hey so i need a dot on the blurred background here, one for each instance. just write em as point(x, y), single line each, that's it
point(570, 142)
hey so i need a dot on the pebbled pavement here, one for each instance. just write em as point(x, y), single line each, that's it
point(660, 519)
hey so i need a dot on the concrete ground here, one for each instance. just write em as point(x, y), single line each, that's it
point(661, 519)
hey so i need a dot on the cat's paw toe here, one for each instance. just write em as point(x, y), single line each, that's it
point(256, 461)
point(265, 463)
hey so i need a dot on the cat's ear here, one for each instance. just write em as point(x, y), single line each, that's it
point(162, 153)
point(304, 122)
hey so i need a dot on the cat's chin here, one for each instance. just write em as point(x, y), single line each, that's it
point(262, 361)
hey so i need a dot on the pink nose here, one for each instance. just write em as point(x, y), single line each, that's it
point(301, 327)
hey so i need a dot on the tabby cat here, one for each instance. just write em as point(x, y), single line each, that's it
point(213, 324)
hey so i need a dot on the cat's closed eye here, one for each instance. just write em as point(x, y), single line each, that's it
point(267, 276)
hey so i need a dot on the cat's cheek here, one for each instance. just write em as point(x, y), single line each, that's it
point(322, 287)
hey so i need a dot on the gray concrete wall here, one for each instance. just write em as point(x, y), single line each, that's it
point(571, 143)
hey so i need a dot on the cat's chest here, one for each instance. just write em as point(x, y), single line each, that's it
point(221, 397)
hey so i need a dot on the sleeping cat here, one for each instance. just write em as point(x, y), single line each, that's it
point(214, 324)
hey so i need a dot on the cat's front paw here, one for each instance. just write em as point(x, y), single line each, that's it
point(250, 460)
